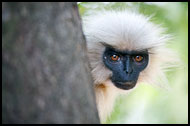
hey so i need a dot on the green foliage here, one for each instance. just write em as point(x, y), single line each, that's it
point(147, 104)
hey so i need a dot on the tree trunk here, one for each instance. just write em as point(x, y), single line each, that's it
point(45, 73)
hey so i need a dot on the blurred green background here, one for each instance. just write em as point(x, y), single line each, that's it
point(148, 104)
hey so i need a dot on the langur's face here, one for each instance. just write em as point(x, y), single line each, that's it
point(125, 66)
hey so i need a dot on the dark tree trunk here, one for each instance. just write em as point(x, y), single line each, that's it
point(45, 73)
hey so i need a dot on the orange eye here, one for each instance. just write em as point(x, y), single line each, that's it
point(138, 58)
point(114, 57)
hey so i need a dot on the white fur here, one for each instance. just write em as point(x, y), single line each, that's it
point(125, 31)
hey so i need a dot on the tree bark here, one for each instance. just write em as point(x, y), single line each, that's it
point(45, 72)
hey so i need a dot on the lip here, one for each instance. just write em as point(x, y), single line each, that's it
point(125, 85)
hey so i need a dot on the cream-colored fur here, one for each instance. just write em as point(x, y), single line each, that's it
point(125, 31)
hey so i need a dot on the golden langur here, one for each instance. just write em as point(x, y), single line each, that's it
point(124, 49)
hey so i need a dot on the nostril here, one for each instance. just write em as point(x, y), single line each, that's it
point(129, 71)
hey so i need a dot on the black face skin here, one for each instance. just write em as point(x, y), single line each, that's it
point(125, 66)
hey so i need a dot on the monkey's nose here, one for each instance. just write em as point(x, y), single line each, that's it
point(128, 66)
point(129, 70)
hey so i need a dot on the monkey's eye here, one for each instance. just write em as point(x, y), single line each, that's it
point(138, 58)
point(115, 57)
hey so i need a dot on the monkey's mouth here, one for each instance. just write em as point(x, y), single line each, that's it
point(125, 85)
